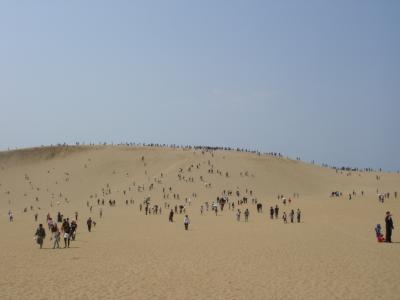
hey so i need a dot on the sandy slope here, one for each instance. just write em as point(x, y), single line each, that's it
point(332, 254)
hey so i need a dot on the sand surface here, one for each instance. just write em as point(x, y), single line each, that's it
point(331, 254)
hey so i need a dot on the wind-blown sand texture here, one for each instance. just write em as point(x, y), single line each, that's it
point(331, 254)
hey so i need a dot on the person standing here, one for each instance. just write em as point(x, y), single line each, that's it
point(171, 216)
point(298, 215)
point(40, 235)
point(389, 227)
point(246, 215)
point(89, 224)
point(59, 217)
point(291, 216)
point(186, 222)
point(10, 216)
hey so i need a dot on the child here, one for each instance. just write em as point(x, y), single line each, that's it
point(379, 234)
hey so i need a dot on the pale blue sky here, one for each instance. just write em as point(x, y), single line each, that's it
point(315, 79)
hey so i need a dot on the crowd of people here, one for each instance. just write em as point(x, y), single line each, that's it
point(238, 202)
point(60, 228)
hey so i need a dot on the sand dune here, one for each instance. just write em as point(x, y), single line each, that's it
point(331, 254)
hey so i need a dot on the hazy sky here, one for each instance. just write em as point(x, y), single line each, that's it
point(315, 79)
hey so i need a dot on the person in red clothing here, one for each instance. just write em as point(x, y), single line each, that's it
point(379, 235)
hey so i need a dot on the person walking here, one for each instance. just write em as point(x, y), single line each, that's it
point(89, 224)
point(238, 213)
point(284, 217)
point(55, 235)
point(66, 229)
point(389, 227)
point(186, 222)
point(298, 215)
point(171, 216)
point(40, 235)
point(50, 223)
point(73, 228)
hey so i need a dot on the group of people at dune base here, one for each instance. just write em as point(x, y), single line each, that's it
point(67, 230)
